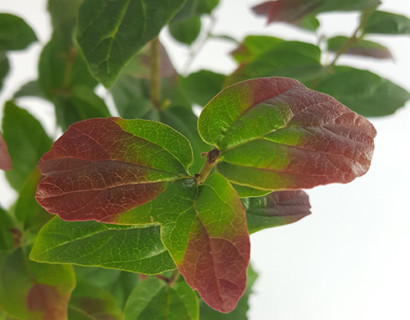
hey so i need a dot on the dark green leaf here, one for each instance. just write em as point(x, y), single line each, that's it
point(363, 91)
point(276, 209)
point(206, 6)
point(201, 86)
point(154, 299)
point(6, 233)
point(240, 312)
point(128, 248)
point(298, 60)
point(387, 23)
point(359, 48)
point(4, 67)
point(92, 302)
point(29, 89)
point(15, 33)
point(30, 290)
point(111, 32)
point(26, 140)
point(80, 104)
point(187, 30)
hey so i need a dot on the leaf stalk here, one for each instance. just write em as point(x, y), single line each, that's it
point(211, 161)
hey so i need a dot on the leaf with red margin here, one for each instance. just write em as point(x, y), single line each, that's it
point(293, 11)
point(102, 167)
point(30, 290)
point(274, 134)
point(5, 161)
point(276, 209)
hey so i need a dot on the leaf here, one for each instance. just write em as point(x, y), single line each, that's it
point(102, 167)
point(274, 133)
point(15, 33)
point(360, 48)
point(254, 45)
point(293, 59)
point(30, 290)
point(29, 89)
point(154, 299)
point(91, 302)
point(186, 31)
point(206, 6)
point(387, 23)
point(293, 11)
point(26, 208)
point(80, 104)
point(4, 67)
point(6, 233)
point(5, 160)
point(88, 243)
point(363, 91)
point(201, 86)
point(276, 209)
point(239, 313)
point(26, 140)
point(111, 32)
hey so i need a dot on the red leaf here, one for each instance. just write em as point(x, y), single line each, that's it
point(97, 170)
point(5, 161)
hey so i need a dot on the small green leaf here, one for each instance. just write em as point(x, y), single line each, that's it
point(363, 91)
point(29, 89)
point(294, 59)
point(30, 290)
point(129, 248)
point(254, 45)
point(240, 312)
point(387, 23)
point(111, 32)
point(80, 104)
point(360, 48)
point(26, 140)
point(4, 67)
point(91, 302)
point(6, 235)
point(201, 86)
point(276, 209)
point(15, 33)
point(187, 30)
point(154, 299)
point(274, 133)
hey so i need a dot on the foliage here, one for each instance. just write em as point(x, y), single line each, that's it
point(159, 203)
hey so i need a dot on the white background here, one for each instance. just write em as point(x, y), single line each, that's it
point(350, 259)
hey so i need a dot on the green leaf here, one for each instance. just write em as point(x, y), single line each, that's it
point(206, 6)
point(129, 248)
point(4, 67)
point(363, 91)
point(111, 32)
point(80, 104)
point(61, 68)
point(91, 302)
point(310, 23)
point(201, 86)
point(254, 45)
point(6, 234)
point(15, 33)
point(387, 23)
point(26, 140)
point(184, 120)
point(359, 48)
point(292, 59)
point(274, 133)
point(29, 89)
point(30, 290)
point(155, 299)
point(240, 312)
point(187, 30)
point(276, 209)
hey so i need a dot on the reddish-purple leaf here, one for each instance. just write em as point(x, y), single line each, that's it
point(276, 209)
point(100, 168)
point(5, 160)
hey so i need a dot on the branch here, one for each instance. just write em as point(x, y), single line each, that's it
point(155, 73)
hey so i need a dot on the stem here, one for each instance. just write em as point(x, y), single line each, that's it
point(155, 73)
point(209, 164)
point(68, 68)
point(171, 280)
